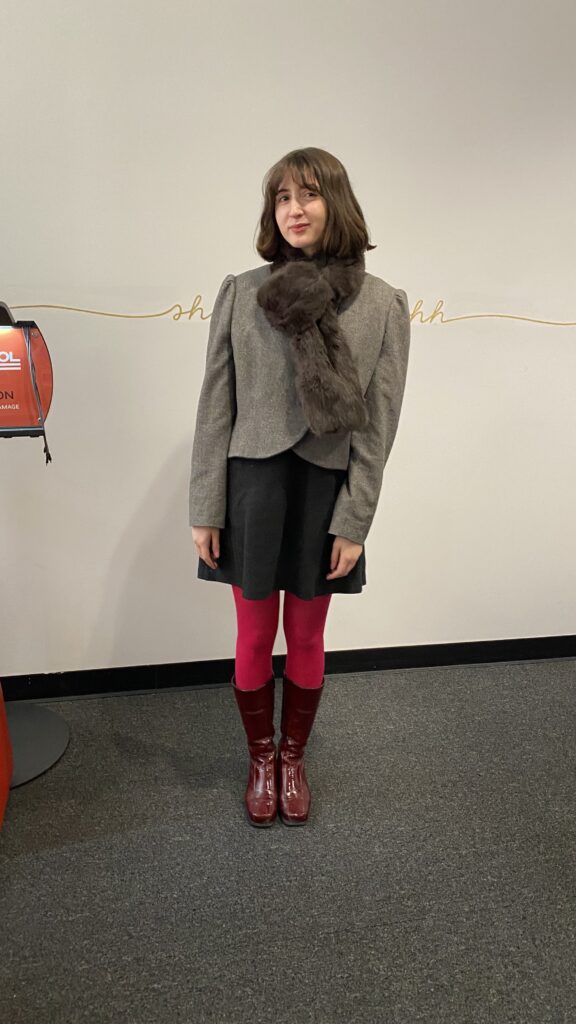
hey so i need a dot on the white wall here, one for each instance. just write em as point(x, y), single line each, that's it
point(135, 140)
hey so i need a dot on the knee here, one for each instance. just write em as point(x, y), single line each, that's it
point(260, 640)
point(302, 635)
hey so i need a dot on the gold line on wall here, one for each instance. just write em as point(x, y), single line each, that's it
point(438, 314)
point(178, 313)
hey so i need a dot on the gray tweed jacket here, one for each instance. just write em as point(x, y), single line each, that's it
point(248, 403)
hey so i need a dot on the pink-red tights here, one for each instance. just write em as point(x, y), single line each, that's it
point(303, 623)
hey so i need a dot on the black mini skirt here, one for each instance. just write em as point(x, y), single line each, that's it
point(275, 535)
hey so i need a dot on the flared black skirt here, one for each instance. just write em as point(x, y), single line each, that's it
point(275, 535)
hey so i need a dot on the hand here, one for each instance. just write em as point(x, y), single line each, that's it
point(207, 540)
point(345, 554)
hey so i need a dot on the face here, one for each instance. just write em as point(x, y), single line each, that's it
point(300, 204)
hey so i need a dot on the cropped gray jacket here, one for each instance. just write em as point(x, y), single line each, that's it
point(248, 404)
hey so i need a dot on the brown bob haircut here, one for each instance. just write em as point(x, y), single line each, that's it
point(345, 234)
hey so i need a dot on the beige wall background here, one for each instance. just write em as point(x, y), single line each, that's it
point(135, 140)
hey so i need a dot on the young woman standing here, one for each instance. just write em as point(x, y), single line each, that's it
point(305, 373)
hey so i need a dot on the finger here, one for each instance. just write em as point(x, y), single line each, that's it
point(343, 568)
point(206, 557)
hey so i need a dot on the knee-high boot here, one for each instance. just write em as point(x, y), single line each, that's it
point(299, 706)
point(257, 713)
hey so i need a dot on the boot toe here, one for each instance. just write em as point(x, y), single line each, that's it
point(263, 811)
point(261, 819)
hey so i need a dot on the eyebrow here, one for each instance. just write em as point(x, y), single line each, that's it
point(305, 185)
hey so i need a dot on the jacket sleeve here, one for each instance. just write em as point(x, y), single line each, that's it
point(369, 448)
point(214, 417)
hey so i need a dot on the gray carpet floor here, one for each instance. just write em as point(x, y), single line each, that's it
point(434, 881)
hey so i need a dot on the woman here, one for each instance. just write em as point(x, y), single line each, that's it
point(305, 372)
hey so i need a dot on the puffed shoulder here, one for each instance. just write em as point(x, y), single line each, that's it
point(228, 283)
point(400, 304)
point(224, 299)
point(398, 318)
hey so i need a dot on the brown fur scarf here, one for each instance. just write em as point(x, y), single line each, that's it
point(302, 296)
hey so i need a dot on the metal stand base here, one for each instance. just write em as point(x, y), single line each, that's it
point(38, 737)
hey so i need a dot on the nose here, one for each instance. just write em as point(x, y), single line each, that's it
point(294, 207)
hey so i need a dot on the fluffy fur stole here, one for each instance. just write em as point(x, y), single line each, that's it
point(302, 297)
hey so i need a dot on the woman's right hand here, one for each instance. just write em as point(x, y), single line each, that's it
point(207, 541)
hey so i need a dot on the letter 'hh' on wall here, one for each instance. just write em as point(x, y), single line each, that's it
point(26, 381)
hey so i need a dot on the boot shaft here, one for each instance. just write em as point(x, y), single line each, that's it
point(257, 713)
point(299, 707)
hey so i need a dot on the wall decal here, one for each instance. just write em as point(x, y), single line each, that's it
point(178, 313)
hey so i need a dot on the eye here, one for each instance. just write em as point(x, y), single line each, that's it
point(310, 192)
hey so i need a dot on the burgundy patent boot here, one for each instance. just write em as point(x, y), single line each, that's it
point(257, 713)
point(299, 706)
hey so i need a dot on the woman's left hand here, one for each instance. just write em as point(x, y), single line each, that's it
point(345, 554)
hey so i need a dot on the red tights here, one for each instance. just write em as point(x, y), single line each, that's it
point(303, 623)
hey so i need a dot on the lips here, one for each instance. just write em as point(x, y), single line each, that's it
point(299, 227)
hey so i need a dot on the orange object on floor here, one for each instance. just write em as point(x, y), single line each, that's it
point(6, 758)
point(26, 382)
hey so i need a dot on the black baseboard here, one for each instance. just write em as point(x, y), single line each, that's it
point(143, 678)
